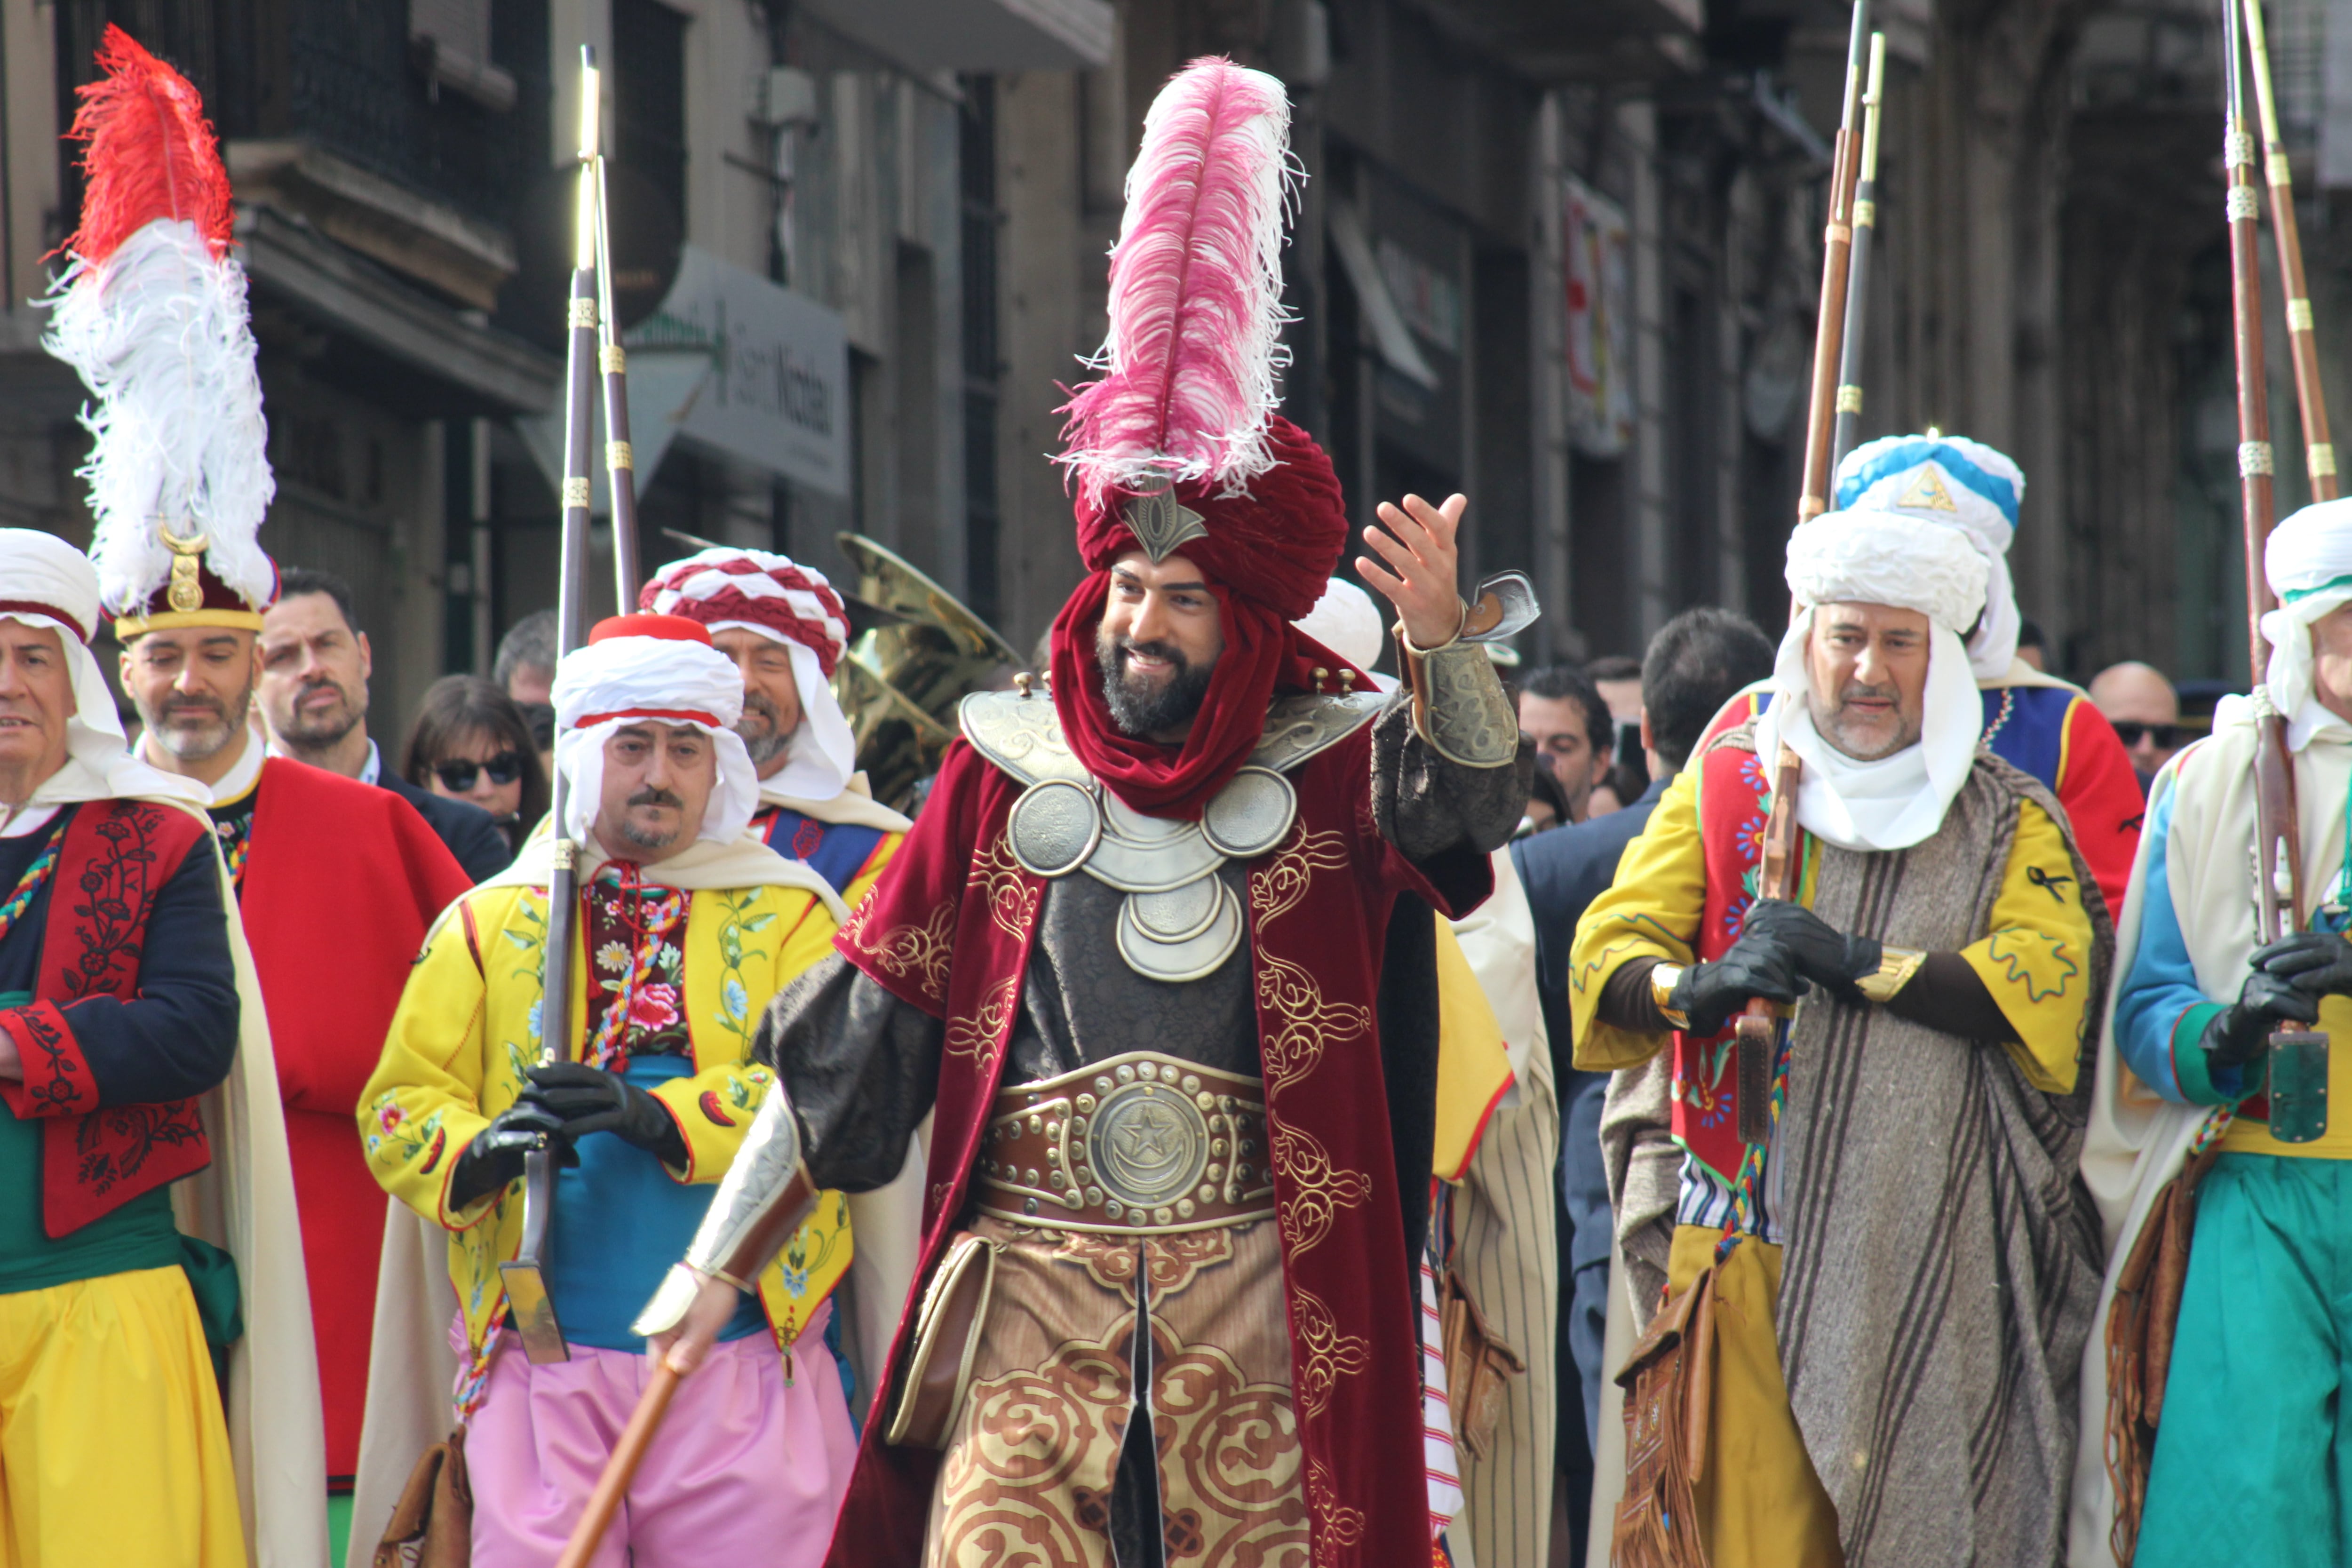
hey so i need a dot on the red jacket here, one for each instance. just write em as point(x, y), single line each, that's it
point(341, 880)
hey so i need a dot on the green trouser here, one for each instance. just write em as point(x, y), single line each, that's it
point(2253, 1456)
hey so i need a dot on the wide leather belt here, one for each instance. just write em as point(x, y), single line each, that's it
point(1139, 1143)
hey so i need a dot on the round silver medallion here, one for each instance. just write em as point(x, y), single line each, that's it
point(1192, 957)
point(1177, 914)
point(1251, 814)
point(1147, 1146)
point(1054, 826)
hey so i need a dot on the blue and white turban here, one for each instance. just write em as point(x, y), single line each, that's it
point(1960, 483)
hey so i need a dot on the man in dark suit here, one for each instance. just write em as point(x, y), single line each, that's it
point(1695, 665)
point(313, 690)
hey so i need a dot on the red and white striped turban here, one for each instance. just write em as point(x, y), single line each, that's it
point(728, 588)
point(657, 670)
point(759, 592)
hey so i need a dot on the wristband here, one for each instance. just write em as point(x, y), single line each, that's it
point(1896, 965)
point(1664, 978)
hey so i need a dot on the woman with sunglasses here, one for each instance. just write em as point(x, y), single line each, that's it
point(472, 742)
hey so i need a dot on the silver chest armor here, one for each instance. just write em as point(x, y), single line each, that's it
point(1179, 920)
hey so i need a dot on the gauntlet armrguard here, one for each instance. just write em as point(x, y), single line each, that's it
point(765, 1196)
point(1459, 707)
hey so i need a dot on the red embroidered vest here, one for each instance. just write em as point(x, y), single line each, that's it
point(1734, 800)
point(115, 859)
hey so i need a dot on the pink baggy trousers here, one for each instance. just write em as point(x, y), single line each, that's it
point(745, 1470)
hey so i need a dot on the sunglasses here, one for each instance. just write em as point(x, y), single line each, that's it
point(2166, 736)
point(457, 775)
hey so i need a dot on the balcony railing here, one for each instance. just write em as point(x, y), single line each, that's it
point(346, 75)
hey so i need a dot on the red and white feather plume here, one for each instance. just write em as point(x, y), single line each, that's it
point(152, 311)
point(1196, 315)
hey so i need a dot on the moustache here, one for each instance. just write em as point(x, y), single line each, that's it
point(1128, 648)
point(187, 704)
point(1859, 692)
point(656, 797)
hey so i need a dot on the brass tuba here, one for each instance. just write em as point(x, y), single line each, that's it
point(909, 665)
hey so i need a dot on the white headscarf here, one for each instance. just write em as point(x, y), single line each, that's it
point(1346, 621)
point(1962, 484)
point(2309, 563)
point(731, 588)
point(624, 675)
point(1880, 558)
point(45, 582)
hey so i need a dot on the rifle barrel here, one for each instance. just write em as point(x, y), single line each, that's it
point(1847, 432)
point(2302, 342)
point(534, 1319)
point(1837, 246)
point(620, 460)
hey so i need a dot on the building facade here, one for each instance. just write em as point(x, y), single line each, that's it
point(1561, 256)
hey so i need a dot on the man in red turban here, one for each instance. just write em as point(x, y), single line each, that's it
point(1131, 956)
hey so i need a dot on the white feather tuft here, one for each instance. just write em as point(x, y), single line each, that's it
point(159, 332)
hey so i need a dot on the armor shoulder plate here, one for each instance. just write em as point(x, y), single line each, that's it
point(1023, 736)
point(1296, 728)
point(1020, 735)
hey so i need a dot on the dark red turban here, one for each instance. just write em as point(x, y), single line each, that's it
point(1268, 557)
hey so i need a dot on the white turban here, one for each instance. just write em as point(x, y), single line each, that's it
point(640, 668)
point(45, 582)
point(2309, 563)
point(1960, 483)
point(728, 588)
point(1346, 621)
point(1880, 558)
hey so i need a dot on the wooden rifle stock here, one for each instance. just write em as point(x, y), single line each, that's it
point(2298, 1057)
point(1757, 1034)
point(1836, 250)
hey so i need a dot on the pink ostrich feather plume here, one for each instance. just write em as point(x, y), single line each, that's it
point(1196, 315)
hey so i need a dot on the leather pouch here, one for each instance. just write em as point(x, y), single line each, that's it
point(946, 1333)
point(1669, 1394)
point(1478, 1365)
point(433, 1524)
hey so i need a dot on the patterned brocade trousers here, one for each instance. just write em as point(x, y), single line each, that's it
point(1030, 1457)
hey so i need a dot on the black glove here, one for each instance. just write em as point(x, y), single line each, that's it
point(495, 1156)
point(1823, 955)
point(2318, 963)
point(2236, 1035)
point(587, 1100)
point(1710, 993)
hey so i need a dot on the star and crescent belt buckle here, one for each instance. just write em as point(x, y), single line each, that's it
point(1163, 524)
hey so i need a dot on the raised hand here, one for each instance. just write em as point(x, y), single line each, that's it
point(1420, 574)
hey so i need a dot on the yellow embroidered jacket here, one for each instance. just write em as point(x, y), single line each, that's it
point(468, 1026)
point(2039, 936)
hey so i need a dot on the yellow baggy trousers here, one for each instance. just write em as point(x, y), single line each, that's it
point(1760, 1503)
point(114, 1450)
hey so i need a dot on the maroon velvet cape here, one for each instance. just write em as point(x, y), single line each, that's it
point(948, 929)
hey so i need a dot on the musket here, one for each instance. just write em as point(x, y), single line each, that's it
point(1848, 427)
point(620, 472)
point(1836, 251)
point(2298, 1057)
point(620, 462)
point(1756, 1037)
point(2303, 342)
point(530, 1309)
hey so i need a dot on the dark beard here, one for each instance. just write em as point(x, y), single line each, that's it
point(1139, 708)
